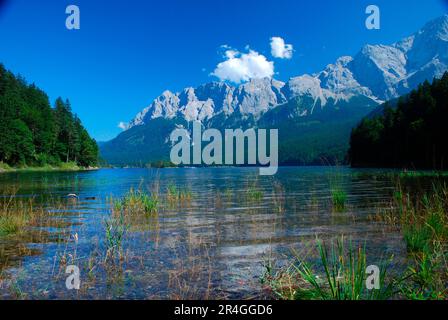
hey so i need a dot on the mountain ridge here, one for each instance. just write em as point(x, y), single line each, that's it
point(391, 68)
point(377, 73)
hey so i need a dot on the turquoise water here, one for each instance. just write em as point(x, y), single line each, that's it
point(213, 246)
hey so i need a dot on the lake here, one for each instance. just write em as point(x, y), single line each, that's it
point(212, 245)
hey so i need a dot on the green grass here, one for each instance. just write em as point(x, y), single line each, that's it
point(4, 167)
point(137, 202)
point(16, 214)
point(175, 194)
point(339, 199)
point(337, 192)
point(254, 194)
point(25, 217)
point(423, 221)
point(253, 190)
point(422, 218)
point(426, 277)
point(10, 225)
point(340, 275)
point(417, 238)
point(115, 230)
point(63, 166)
point(417, 174)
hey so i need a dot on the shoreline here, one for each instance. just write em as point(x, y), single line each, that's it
point(67, 168)
point(47, 169)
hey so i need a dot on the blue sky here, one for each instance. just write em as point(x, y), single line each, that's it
point(128, 52)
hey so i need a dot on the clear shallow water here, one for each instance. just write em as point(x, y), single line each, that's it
point(211, 247)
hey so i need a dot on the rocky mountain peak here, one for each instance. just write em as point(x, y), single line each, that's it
point(378, 72)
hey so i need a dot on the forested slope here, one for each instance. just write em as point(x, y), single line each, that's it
point(412, 134)
point(34, 133)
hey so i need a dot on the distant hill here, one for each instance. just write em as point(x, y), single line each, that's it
point(314, 113)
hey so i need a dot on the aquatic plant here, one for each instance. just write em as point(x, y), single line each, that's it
point(340, 275)
point(190, 277)
point(422, 218)
point(254, 194)
point(16, 214)
point(175, 194)
point(338, 194)
point(278, 196)
point(417, 238)
point(136, 202)
point(115, 230)
point(423, 221)
point(253, 190)
point(11, 224)
point(339, 198)
point(426, 276)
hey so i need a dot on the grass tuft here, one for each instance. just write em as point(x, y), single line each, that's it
point(339, 199)
point(341, 275)
point(137, 202)
point(175, 194)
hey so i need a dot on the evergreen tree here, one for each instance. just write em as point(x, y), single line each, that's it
point(412, 135)
point(34, 133)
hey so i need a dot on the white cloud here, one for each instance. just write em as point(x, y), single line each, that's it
point(123, 125)
point(281, 50)
point(239, 67)
point(230, 54)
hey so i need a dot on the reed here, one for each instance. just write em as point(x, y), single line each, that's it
point(115, 230)
point(178, 195)
point(253, 191)
point(422, 218)
point(339, 275)
point(338, 194)
point(278, 197)
point(17, 215)
point(136, 202)
point(339, 199)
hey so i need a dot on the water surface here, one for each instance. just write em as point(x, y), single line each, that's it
point(214, 246)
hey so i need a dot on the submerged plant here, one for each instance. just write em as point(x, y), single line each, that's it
point(254, 194)
point(278, 196)
point(115, 230)
point(253, 191)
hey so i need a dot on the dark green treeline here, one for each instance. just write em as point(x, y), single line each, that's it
point(35, 134)
point(414, 134)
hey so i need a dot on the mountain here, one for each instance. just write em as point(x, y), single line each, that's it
point(314, 113)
